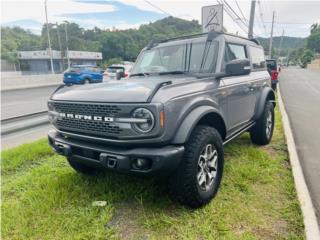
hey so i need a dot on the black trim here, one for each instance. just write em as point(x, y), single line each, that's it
point(238, 133)
point(155, 90)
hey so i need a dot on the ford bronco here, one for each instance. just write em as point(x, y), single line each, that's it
point(185, 99)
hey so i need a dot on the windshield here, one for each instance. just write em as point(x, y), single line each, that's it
point(114, 69)
point(180, 58)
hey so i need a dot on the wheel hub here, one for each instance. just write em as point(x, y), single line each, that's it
point(207, 167)
point(269, 124)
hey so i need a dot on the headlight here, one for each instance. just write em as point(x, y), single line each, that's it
point(144, 114)
point(50, 106)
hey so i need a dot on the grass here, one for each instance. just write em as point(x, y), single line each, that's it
point(43, 198)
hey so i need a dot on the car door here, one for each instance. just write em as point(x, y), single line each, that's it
point(241, 96)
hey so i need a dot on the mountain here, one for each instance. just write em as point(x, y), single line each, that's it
point(113, 43)
point(287, 42)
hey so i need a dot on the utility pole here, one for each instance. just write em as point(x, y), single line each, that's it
point(66, 31)
point(270, 45)
point(288, 58)
point(60, 47)
point(251, 22)
point(280, 43)
point(49, 42)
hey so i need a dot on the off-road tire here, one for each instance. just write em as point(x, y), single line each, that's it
point(80, 167)
point(183, 185)
point(258, 133)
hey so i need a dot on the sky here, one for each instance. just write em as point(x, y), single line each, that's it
point(293, 17)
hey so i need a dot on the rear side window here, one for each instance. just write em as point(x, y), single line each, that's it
point(258, 59)
point(114, 69)
point(234, 51)
point(272, 65)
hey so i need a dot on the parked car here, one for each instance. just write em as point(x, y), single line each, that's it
point(80, 74)
point(273, 72)
point(111, 72)
point(185, 99)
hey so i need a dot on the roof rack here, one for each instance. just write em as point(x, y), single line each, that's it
point(183, 37)
point(211, 35)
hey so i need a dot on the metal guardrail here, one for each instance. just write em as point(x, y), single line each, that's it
point(19, 123)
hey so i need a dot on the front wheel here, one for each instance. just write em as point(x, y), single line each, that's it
point(87, 81)
point(262, 132)
point(197, 179)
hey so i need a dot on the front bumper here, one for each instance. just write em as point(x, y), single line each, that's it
point(162, 160)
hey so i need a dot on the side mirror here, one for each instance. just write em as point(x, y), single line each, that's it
point(238, 67)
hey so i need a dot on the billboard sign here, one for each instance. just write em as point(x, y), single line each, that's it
point(212, 18)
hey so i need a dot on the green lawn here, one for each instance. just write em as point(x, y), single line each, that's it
point(43, 198)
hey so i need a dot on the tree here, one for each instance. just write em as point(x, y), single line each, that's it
point(306, 57)
point(313, 41)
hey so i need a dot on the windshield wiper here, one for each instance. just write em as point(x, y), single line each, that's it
point(172, 72)
point(139, 74)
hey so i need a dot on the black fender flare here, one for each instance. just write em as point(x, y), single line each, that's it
point(191, 120)
point(267, 94)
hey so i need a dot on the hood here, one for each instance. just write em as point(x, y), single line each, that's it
point(137, 89)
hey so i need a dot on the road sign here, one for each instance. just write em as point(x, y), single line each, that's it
point(212, 18)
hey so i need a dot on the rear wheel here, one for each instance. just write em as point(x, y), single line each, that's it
point(86, 81)
point(80, 167)
point(262, 132)
point(197, 179)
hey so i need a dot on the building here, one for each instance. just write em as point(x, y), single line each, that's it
point(84, 58)
point(39, 61)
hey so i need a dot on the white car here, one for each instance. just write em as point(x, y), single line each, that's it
point(111, 71)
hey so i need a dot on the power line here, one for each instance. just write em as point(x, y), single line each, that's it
point(153, 5)
point(241, 12)
point(261, 17)
point(226, 9)
point(233, 11)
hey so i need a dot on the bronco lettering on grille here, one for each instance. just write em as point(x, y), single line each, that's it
point(86, 117)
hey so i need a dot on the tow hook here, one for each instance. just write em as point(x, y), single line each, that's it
point(108, 161)
point(62, 148)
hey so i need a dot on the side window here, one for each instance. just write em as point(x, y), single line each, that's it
point(209, 60)
point(258, 59)
point(234, 51)
point(196, 56)
point(202, 57)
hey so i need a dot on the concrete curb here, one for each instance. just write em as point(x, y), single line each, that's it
point(308, 212)
point(26, 124)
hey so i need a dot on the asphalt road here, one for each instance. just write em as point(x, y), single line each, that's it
point(24, 101)
point(300, 90)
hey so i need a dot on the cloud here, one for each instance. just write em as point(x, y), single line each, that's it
point(14, 10)
point(131, 13)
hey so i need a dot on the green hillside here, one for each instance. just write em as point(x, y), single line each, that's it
point(113, 43)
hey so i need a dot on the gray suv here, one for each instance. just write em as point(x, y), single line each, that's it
point(185, 99)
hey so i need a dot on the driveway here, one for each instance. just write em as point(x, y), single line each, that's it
point(300, 90)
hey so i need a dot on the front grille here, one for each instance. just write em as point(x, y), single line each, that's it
point(87, 109)
point(91, 127)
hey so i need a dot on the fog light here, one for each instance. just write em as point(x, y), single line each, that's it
point(141, 163)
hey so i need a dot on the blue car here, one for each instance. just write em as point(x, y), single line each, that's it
point(81, 74)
